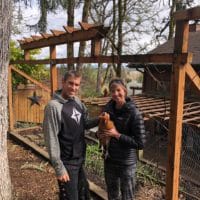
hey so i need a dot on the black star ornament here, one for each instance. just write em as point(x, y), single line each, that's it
point(35, 99)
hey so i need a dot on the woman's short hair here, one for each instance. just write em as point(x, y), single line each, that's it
point(117, 81)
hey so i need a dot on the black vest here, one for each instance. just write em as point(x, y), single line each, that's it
point(71, 136)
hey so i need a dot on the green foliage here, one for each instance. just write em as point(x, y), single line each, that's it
point(94, 162)
point(38, 72)
point(88, 88)
point(146, 173)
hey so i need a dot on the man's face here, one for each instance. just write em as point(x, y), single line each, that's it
point(71, 86)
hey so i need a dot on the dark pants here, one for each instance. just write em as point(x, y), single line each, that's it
point(77, 188)
point(120, 181)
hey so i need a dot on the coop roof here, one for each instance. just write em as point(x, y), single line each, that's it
point(158, 108)
point(194, 47)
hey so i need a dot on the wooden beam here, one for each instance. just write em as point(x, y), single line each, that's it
point(10, 101)
point(44, 87)
point(53, 70)
point(189, 14)
point(77, 36)
point(194, 77)
point(144, 59)
point(176, 115)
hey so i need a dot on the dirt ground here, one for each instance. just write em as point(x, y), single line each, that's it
point(33, 178)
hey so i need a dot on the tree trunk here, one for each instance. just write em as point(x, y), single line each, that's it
point(70, 22)
point(5, 24)
point(85, 14)
point(42, 24)
point(119, 48)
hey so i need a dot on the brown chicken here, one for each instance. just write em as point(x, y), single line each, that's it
point(104, 124)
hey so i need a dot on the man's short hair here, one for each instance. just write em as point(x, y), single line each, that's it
point(71, 73)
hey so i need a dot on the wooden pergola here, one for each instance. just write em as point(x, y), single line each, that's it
point(181, 66)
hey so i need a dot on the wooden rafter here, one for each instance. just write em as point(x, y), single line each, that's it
point(46, 35)
point(70, 35)
point(28, 40)
point(85, 26)
point(36, 37)
point(57, 32)
point(70, 29)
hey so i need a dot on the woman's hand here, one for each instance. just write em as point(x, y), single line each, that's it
point(111, 133)
point(64, 177)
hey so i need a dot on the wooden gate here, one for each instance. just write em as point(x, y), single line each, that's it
point(27, 103)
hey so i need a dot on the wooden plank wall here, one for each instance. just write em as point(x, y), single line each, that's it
point(22, 109)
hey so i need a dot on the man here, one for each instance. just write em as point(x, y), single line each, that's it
point(65, 120)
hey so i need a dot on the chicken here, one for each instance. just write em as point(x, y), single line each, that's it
point(104, 124)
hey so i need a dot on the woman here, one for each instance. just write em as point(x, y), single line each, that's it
point(126, 138)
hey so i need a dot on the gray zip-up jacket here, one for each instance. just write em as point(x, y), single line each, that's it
point(64, 123)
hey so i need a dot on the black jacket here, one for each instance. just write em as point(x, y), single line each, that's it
point(129, 123)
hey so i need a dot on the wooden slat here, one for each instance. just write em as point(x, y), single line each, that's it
point(70, 29)
point(28, 40)
point(155, 110)
point(194, 77)
point(191, 119)
point(30, 78)
point(36, 37)
point(57, 32)
point(46, 35)
point(85, 26)
point(66, 38)
point(189, 14)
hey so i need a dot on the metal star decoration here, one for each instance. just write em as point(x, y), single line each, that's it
point(35, 99)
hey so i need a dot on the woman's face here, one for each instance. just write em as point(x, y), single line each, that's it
point(118, 94)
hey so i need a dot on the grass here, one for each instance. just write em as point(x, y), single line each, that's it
point(94, 162)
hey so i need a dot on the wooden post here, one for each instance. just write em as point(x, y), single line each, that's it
point(176, 115)
point(53, 70)
point(26, 55)
point(95, 47)
point(10, 101)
